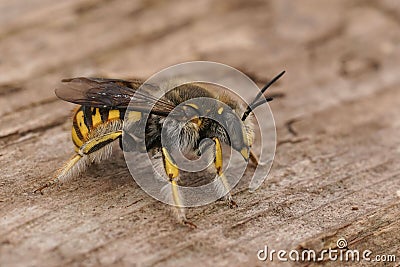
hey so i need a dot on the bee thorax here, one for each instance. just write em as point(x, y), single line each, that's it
point(182, 135)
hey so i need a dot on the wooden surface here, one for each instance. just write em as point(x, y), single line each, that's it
point(336, 172)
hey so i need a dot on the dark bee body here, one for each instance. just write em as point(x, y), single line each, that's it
point(104, 112)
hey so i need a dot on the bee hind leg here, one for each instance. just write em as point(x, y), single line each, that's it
point(63, 174)
point(80, 161)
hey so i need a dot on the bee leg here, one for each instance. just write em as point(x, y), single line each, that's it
point(79, 161)
point(172, 171)
point(98, 142)
point(62, 174)
point(254, 158)
point(218, 166)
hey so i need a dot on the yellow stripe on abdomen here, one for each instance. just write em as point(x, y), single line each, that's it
point(134, 116)
point(113, 114)
point(77, 141)
point(96, 117)
point(81, 124)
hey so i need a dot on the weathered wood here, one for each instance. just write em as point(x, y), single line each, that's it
point(336, 171)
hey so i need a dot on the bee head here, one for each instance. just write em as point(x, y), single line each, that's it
point(213, 118)
point(235, 131)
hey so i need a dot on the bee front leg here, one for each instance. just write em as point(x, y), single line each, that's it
point(172, 171)
point(218, 166)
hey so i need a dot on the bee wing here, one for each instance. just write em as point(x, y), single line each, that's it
point(113, 94)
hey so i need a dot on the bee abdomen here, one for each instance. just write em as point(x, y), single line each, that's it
point(88, 118)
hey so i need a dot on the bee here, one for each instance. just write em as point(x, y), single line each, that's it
point(105, 105)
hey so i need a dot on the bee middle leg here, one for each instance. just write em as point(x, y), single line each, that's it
point(79, 161)
point(218, 166)
point(172, 171)
point(254, 158)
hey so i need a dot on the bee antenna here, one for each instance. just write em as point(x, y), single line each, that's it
point(257, 102)
point(261, 101)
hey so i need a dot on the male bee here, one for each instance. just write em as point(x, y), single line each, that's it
point(106, 104)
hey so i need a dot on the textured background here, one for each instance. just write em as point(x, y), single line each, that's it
point(336, 172)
